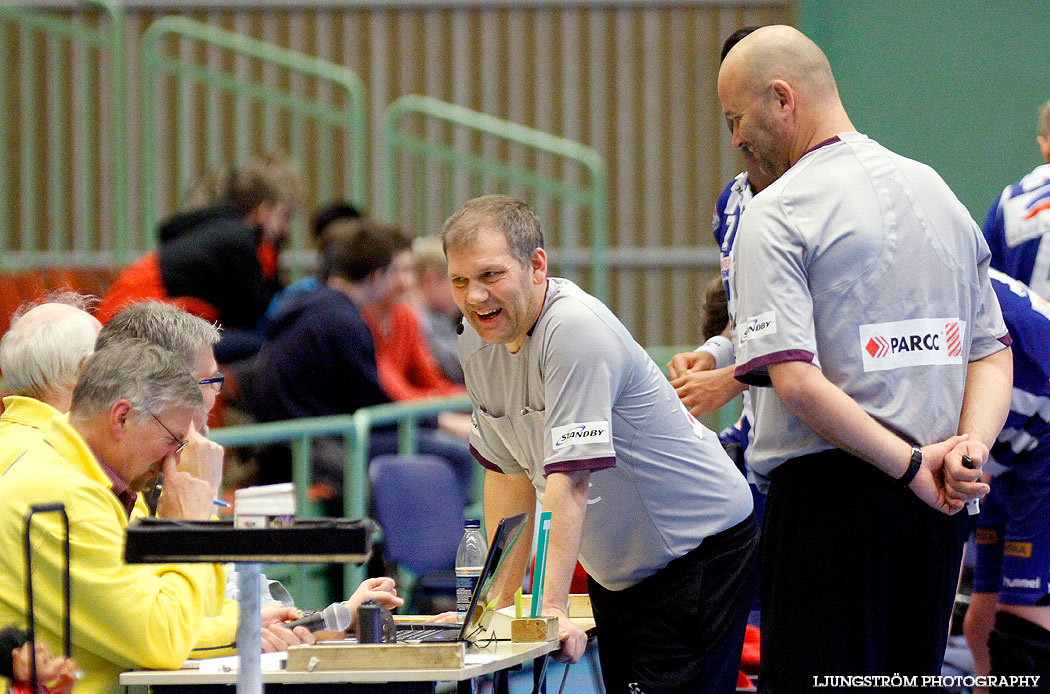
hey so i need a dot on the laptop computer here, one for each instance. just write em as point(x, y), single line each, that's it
point(488, 593)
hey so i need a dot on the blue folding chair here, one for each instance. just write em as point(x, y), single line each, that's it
point(417, 501)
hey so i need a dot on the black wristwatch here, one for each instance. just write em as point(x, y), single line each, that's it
point(913, 468)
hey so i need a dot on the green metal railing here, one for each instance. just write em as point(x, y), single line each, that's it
point(461, 170)
point(355, 430)
point(313, 124)
point(67, 196)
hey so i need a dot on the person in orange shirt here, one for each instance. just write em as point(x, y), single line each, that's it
point(407, 367)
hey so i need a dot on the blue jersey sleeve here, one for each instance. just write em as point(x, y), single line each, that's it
point(994, 234)
point(720, 221)
point(1027, 317)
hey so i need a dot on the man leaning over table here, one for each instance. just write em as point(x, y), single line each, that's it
point(570, 410)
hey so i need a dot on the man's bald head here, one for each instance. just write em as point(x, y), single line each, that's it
point(781, 52)
point(779, 98)
point(40, 354)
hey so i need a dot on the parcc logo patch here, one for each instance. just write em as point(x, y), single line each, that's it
point(916, 342)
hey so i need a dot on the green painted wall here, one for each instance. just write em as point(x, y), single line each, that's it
point(955, 84)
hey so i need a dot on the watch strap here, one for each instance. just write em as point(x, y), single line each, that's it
point(913, 468)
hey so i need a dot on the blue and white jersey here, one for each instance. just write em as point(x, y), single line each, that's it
point(1018, 230)
point(724, 225)
point(726, 221)
point(1027, 427)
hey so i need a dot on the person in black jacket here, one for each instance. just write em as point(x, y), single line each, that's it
point(219, 261)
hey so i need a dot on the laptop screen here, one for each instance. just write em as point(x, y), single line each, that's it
point(495, 587)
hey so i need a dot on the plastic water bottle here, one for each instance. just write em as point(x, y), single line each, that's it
point(470, 559)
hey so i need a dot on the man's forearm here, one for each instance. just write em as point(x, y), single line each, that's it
point(835, 416)
point(509, 495)
point(566, 499)
point(986, 400)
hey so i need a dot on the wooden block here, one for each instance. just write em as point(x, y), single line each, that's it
point(375, 656)
point(579, 605)
point(534, 629)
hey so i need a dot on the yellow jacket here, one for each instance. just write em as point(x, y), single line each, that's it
point(22, 425)
point(124, 615)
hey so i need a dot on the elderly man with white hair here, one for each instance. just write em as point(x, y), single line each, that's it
point(40, 358)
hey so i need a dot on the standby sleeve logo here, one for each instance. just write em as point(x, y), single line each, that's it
point(917, 342)
point(583, 432)
point(758, 326)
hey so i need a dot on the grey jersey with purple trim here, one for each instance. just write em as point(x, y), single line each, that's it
point(864, 263)
point(582, 394)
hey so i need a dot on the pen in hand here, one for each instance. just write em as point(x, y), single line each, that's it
point(973, 506)
point(218, 502)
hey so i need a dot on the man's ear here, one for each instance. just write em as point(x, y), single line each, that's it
point(119, 414)
point(783, 95)
point(539, 265)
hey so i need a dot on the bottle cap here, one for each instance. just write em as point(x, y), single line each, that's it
point(472, 524)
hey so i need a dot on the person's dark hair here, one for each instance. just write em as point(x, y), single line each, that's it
point(330, 213)
point(716, 309)
point(733, 40)
point(400, 241)
point(352, 250)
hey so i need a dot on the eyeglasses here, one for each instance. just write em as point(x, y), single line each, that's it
point(215, 382)
point(179, 443)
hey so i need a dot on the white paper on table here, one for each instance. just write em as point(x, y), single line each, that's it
point(477, 658)
point(269, 662)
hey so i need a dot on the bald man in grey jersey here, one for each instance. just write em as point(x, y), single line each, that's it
point(877, 355)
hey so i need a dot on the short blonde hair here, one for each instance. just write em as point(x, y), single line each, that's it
point(1044, 120)
point(426, 251)
point(517, 221)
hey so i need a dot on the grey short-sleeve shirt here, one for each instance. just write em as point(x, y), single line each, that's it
point(864, 263)
point(582, 394)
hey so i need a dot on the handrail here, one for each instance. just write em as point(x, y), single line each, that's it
point(594, 196)
point(356, 431)
point(352, 116)
point(110, 40)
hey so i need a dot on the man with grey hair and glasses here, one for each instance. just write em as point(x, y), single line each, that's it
point(40, 357)
point(192, 340)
